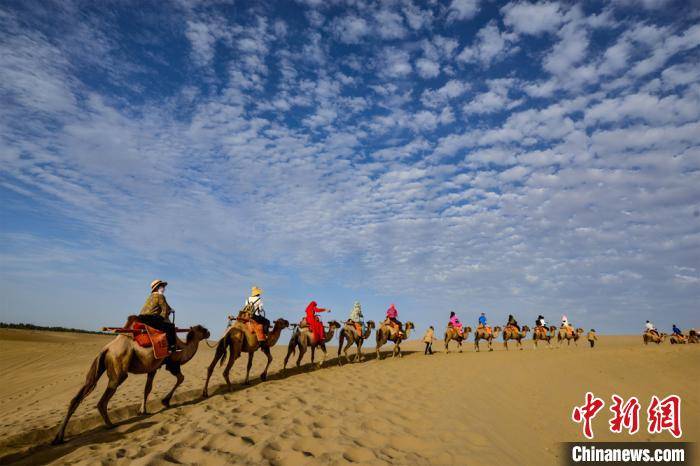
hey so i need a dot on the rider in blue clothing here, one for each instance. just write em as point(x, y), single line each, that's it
point(677, 331)
point(482, 320)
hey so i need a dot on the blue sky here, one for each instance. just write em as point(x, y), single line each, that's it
point(461, 155)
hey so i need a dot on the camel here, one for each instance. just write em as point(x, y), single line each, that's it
point(512, 333)
point(544, 334)
point(677, 339)
point(564, 335)
point(303, 338)
point(650, 337)
point(451, 333)
point(481, 334)
point(349, 333)
point(123, 356)
point(238, 339)
point(693, 337)
point(387, 333)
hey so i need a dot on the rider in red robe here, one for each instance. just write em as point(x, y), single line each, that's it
point(314, 322)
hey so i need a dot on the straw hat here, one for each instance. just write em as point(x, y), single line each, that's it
point(255, 291)
point(156, 283)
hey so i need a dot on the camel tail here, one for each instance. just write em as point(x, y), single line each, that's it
point(291, 349)
point(221, 351)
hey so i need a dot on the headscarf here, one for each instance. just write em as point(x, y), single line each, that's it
point(311, 307)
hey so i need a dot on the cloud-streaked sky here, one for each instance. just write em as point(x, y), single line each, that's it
point(463, 155)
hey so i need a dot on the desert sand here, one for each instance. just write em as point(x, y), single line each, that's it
point(503, 407)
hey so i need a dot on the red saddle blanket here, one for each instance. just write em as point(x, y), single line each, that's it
point(152, 338)
point(256, 329)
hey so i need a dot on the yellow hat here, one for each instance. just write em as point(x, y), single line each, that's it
point(156, 283)
point(255, 291)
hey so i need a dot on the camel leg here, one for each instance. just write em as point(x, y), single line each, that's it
point(227, 370)
point(146, 391)
point(266, 350)
point(290, 350)
point(358, 355)
point(460, 346)
point(343, 348)
point(94, 374)
point(179, 378)
point(247, 370)
point(476, 345)
point(112, 386)
point(220, 352)
point(302, 351)
point(505, 343)
point(323, 358)
point(210, 369)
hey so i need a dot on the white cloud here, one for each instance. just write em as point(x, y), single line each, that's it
point(460, 10)
point(390, 25)
point(494, 100)
point(450, 90)
point(427, 68)
point(490, 45)
point(532, 18)
point(395, 62)
point(350, 29)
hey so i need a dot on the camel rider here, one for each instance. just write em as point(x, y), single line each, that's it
point(255, 301)
point(313, 322)
point(651, 329)
point(482, 321)
point(156, 311)
point(565, 322)
point(391, 316)
point(356, 316)
point(540, 323)
point(456, 324)
point(512, 322)
point(678, 332)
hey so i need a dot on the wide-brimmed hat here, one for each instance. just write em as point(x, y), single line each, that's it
point(156, 283)
point(255, 291)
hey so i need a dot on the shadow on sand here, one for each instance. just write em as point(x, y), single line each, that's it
point(43, 452)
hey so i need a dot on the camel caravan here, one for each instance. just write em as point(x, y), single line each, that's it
point(149, 341)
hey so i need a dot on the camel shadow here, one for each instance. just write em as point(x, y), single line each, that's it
point(44, 452)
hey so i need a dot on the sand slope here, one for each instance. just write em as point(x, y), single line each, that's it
point(477, 408)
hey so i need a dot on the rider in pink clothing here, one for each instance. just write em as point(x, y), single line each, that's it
point(392, 314)
point(454, 320)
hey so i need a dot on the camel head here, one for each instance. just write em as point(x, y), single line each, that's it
point(370, 324)
point(496, 330)
point(579, 331)
point(280, 324)
point(552, 328)
point(333, 325)
point(409, 325)
point(197, 333)
point(467, 329)
point(525, 329)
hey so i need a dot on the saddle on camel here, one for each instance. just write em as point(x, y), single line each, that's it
point(152, 327)
point(246, 317)
point(481, 325)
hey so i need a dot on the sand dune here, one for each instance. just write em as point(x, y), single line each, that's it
point(471, 408)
